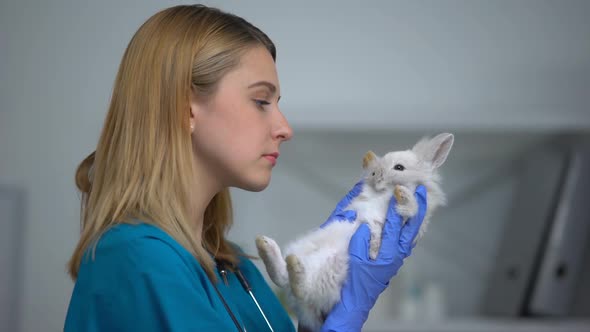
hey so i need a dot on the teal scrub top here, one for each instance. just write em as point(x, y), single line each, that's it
point(143, 280)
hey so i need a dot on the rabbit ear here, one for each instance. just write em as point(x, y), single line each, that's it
point(435, 150)
point(369, 158)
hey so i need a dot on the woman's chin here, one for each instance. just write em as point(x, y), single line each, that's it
point(255, 185)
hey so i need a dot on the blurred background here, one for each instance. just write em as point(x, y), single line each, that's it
point(511, 80)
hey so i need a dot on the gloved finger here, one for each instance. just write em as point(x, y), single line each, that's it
point(390, 235)
point(412, 226)
point(359, 243)
point(345, 201)
point(348, 215)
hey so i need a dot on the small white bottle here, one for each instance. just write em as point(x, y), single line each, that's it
point(411, 304)
point(434, 302)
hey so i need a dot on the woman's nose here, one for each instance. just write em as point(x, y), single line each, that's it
point(282, 130)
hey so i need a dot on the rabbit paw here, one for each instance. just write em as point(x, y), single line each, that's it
point(374, 249)
point(406, 202)
point(375, 242)
point(271, 256)
point(296, 276)
point(267, 249)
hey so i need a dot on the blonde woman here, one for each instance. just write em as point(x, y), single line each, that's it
point(194, 111)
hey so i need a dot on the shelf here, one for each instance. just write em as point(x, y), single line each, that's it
point(483, 325)
point(405, 118)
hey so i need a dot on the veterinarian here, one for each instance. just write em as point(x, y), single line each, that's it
point(194, 111)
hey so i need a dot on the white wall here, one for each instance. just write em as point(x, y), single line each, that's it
point(501, 67)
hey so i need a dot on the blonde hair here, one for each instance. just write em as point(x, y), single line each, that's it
point(143, 165)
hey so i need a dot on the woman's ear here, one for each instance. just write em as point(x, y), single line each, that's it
point(192, 121)
point(193, 110)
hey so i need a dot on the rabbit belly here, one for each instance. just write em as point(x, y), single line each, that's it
point(324, 257)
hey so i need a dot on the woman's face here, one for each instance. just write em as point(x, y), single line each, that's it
point(237, 131)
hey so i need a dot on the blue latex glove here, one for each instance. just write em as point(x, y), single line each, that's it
point(339, 212)
point(368, 278)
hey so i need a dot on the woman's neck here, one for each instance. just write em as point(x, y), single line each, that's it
point(206, 187)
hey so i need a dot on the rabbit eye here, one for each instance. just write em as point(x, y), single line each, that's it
point(373, 173)
point(399, 167)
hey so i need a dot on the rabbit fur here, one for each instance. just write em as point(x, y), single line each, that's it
point(312, 268)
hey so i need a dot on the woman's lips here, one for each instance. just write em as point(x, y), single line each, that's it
point(272, 157)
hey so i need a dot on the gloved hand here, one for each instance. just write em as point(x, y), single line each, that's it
point(368, 278)
point(339, 213)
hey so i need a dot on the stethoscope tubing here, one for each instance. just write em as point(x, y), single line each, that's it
point(246, 285)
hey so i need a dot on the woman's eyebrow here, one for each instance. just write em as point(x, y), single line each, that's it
point(269, 85)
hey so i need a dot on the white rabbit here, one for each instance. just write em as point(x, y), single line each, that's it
point(314, 267)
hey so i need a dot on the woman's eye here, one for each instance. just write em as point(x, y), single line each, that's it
point(399, 167)
point(261, 103)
